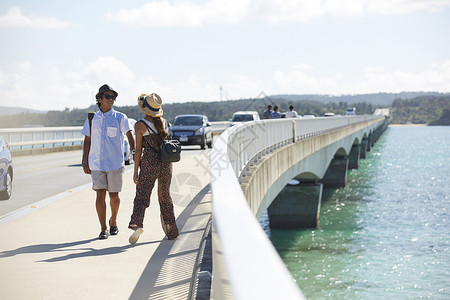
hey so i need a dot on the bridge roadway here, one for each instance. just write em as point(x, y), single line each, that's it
point(49, 249)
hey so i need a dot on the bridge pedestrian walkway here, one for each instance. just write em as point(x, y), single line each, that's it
point(54, 253)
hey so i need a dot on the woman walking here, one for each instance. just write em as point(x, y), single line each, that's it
point(151, 169)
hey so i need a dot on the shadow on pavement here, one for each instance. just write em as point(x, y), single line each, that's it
point(66, 247)
point(41, 248)
point(92, 252)
point(170, 271)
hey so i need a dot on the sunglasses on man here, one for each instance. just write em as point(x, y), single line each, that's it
point(106, 96)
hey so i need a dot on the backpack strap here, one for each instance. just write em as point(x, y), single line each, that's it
point(146, 125)
point(90, 117)
point(151, 129)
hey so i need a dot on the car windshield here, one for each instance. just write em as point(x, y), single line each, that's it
point(242, 118)
point(188, 121)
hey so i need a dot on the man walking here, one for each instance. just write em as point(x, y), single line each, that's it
point(103, 155)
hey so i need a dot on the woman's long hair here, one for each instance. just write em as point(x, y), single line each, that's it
point(162, 132)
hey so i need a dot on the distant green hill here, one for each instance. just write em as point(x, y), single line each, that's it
point(8, 111)
point(443, 120)
point(378, 99)
point(419, 110)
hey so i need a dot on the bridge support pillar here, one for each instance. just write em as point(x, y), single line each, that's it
point(336, 174)
point(369, 143)
point(363, 150)
point(353, 157)
point(296, 206)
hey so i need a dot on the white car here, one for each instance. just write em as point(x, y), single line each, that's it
point(128, 158)
point(244, 116)
point(351, 111)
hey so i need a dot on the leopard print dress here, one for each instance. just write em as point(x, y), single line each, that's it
point(151, 169)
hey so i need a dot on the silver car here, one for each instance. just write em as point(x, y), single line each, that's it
point(6, 170)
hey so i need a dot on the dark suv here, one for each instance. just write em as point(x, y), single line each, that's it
point(192, 130)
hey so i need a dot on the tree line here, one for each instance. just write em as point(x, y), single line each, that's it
point(419, 110)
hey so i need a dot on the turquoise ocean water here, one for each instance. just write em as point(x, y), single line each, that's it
point(386, 235)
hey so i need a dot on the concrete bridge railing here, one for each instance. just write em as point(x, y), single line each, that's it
point(246, 265)
point(256, 139)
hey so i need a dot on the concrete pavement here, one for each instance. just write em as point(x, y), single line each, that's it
point(53, 251)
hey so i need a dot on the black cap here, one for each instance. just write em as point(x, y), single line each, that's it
point(105, 88)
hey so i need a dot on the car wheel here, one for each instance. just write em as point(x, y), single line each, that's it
point(6, 194)
point(203, 145)
point(210, 142)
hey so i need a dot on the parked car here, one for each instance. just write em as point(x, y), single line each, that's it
point(6, 170)
point(128, 158)
point(244, 116)
point(192, 130)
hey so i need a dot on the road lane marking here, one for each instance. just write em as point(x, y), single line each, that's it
point(41, 203)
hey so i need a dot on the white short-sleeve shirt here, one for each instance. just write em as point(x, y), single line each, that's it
point(107, 134)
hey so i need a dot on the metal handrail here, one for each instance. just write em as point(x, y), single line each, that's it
point(20, 138)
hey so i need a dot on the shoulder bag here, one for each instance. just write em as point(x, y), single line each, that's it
point(169, 151)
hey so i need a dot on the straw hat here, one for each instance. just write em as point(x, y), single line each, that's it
point(151, 104)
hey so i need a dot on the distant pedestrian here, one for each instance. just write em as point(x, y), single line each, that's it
point(103, 155)
point(151, 169)
point(291, 113)
point(267, 114)
point(276, 114)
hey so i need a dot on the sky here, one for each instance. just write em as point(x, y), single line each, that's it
point(56, 54)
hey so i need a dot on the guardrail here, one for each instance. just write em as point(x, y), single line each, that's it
point(219, 126)
point(42, 137)
point(49, 137)
point(246, 265)
point(249, 142)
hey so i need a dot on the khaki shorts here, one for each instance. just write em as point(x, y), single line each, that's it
point(107, 180)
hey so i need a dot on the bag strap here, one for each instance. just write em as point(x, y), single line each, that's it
point(90, 117)
point(145, 123)
point(151, 130)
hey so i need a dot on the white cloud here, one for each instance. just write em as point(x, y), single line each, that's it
point(76, 86)
point(373, 80)
point(14, 19)
point(187, 13)
point(57, 89)
point(436, 78)
point(301, 82)
point(182, 13)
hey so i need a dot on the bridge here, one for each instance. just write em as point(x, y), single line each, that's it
point(250, 165)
